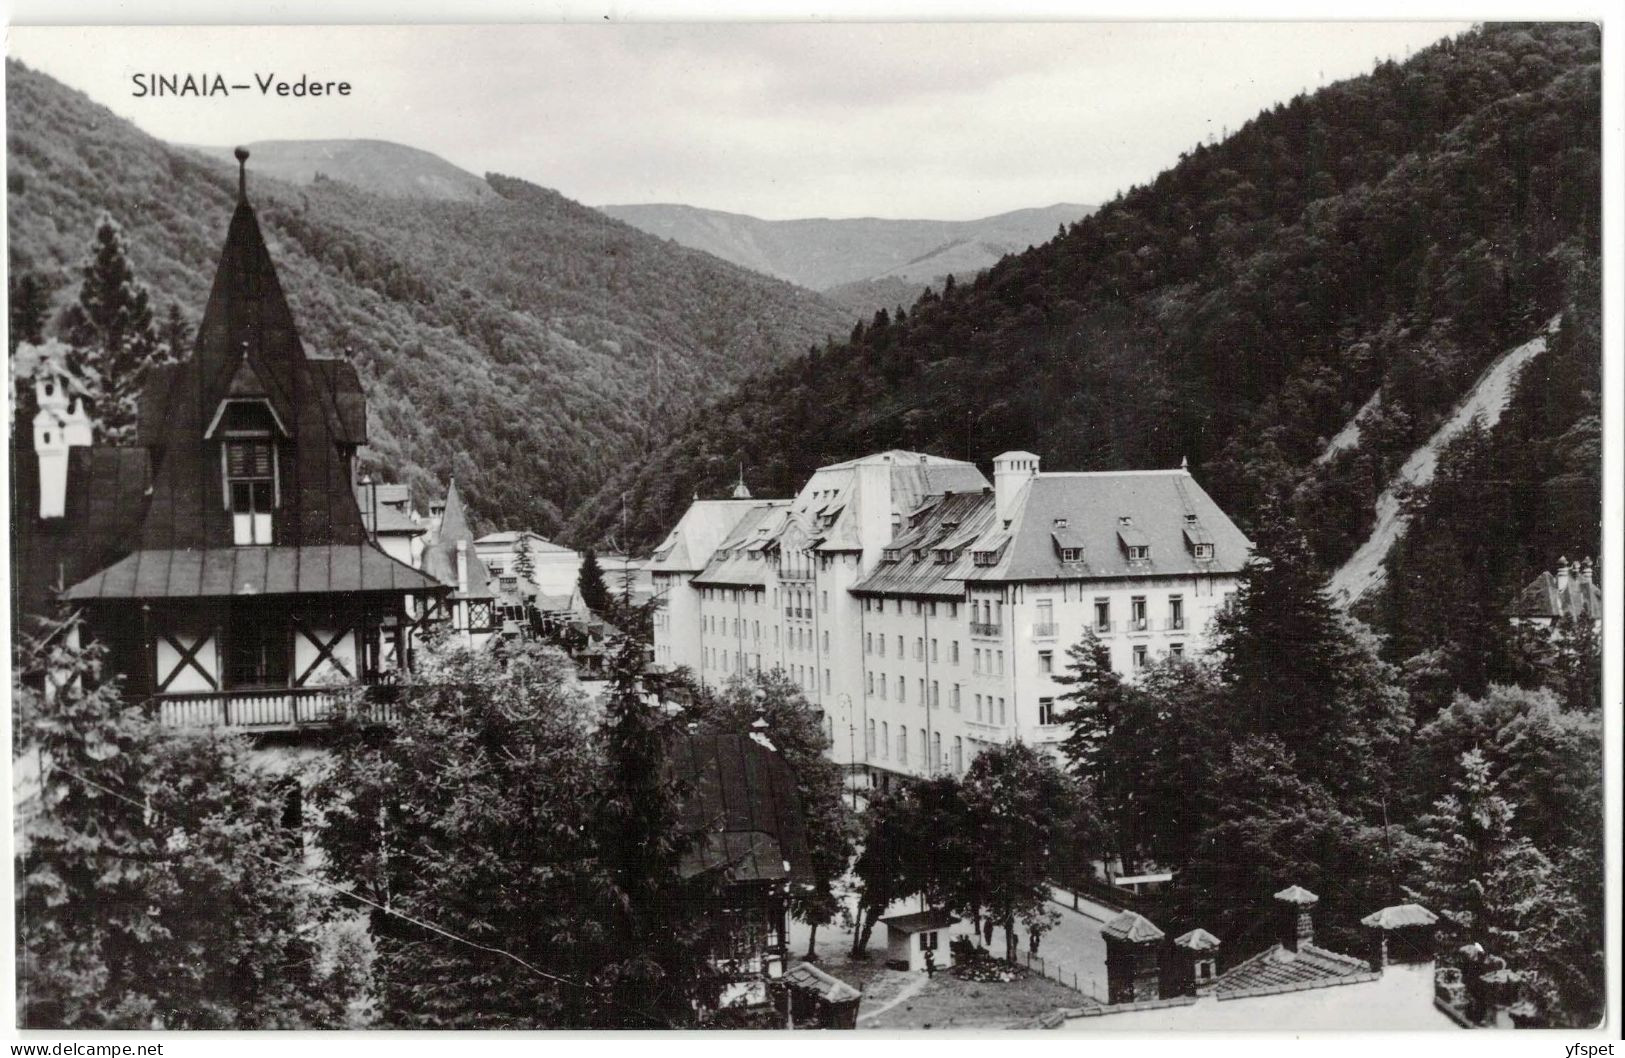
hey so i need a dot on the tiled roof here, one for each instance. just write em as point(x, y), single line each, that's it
point(1400, 916)
point(948, 523)
point(311, 569)
point(1279, 970)
point(1297, 894)
point(1580, 597)
point(703, 526)
point(739, 560)
point(1131, 926)
point(247, 339)
point(921, 921)
point(915, 476)
point(105, 500)
point(1197, 940)
point(1160, 505)
point(742, 797)
point(440, 555)
point(539, 544)
point(829, 988)
point(392, 506)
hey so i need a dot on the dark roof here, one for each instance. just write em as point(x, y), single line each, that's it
point(950, 522)
point(106, 496)
point(1278, 970)
point(440, 554)
point(1158, 504)
point(238, 571)
point(741, 796)
point(921, 921)
point(1579, 597)
point(1132, 926)
point(828, 987)
point(248, 347)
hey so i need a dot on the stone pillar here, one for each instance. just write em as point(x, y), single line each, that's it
point(1198, 962)
point(1297, 924)
point(1133, 959)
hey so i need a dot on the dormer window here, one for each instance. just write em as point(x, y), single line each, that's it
point(984, 558)
point(1069, 554)
point(893, 554)
point(1060, 523)
point(1204, 551)
point(1138, 553)
point(251, 487)
point(944, 556)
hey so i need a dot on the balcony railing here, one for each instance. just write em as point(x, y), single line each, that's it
point(1139, 624)
point(266, 709)
point(1174, 624)
point(1103, 628)
point(982, 628)
point(1046, 630)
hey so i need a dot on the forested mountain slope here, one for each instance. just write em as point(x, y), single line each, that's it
point(384, 168)
point(822, 253)
point(527, 344)
point(1392, 232)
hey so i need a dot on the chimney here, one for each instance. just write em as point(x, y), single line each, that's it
point(1562, 573)
point(1198, 962)
point(60, 424)
point(1401, 934)
point(462, 567)
point(1133, 963)
point(1011, 472)
point(1297, 927)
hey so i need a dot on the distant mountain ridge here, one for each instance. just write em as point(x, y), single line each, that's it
point(379, 166)
point(823, 253)
point(523, 343)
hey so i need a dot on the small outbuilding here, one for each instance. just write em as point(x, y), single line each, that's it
point(812, 999)
point(910, 937)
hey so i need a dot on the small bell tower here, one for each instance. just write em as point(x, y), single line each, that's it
point(60, 424)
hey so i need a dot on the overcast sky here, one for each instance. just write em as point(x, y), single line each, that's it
point(946, 121)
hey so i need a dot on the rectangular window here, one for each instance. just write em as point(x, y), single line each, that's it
point(826, 642)
point(868, 642)
point(936, 697)
point(976, 657)
point(257, 654)
point(871, 683)
point(1001, 663)
point(1046, 712)
point(959, 755)
point(250, 468)
point(1103, 615)
point(1139, 657)
point(928, 941)
point(823, 603)
point(1136, 613)
point(885, 741)
point(953, 609)
point(900, 645)
point(1176, 649)
point(1176, 611)
point(933, 651)
point(978, 708)
point(1001, 710)
point(883, 645)
point(882, 686)
point(902, 692)
point(1046, 661)
point(956, 698)
point(902, 744)
point(953, 652)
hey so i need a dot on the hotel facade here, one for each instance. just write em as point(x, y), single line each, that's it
point(927, 612)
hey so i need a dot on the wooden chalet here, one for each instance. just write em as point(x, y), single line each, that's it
point(740, 802)
point(224, 560)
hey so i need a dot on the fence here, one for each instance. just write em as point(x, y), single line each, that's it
point(1059, 973)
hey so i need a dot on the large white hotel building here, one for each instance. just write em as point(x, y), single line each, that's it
point(927, 613)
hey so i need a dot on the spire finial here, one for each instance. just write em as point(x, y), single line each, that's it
point(242, 174)
point(1184, 463)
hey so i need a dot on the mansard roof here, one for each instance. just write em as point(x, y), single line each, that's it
point(1578, 597)
point(248, 347)
point(909, 565)
point(1161, 507)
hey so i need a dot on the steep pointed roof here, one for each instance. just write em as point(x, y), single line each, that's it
point(440, 556)
point(247, 346)
point(1132, 926)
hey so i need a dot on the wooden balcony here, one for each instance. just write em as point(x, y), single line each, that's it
point(264, 709)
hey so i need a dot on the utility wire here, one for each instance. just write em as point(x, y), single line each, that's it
point(313, 880)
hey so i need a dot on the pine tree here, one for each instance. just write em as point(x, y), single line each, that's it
point(111, 331)
point(30, 303)
point(177, 334)
point(524, 566)
point(1097, 696)
point(657, 918)
point(157, 886)
point(594, 592)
